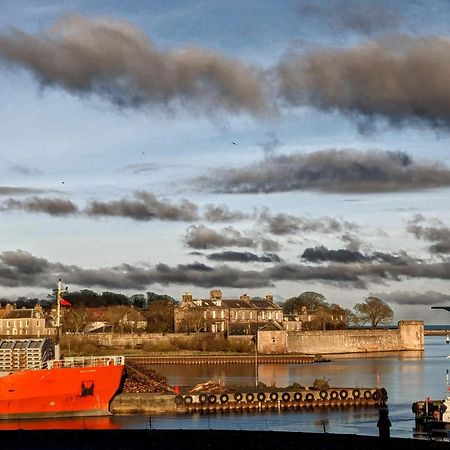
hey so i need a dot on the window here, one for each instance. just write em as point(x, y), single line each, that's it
point(26, 323)
point(222, 314)
point(8, 323)
point(214, 314)
point(251, 315)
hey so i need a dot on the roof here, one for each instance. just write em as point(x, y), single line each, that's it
point(271, 326)
point(235, 303)
point(22, 314)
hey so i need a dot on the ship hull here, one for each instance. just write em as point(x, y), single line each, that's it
point(59, 392)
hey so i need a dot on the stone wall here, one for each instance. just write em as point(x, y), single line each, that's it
point(408, 336)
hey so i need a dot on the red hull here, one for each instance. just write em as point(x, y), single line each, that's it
point(71, 391)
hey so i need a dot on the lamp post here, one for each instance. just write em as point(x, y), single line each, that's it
point(256, 359)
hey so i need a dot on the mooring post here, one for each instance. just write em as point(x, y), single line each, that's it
point(384, 424)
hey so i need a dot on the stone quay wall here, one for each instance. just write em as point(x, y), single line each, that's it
point(408, 336)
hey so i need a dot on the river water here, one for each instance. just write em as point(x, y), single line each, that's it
point(407, 377)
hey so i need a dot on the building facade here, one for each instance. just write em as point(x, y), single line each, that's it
point(25, 322)
point(228, 316)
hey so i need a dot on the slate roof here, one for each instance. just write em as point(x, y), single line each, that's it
point(22, 314)
point(236, 303)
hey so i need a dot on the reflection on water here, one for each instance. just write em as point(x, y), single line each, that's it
point(407, 376)
point(74, 423)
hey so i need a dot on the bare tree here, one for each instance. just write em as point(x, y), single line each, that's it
point(374, 311)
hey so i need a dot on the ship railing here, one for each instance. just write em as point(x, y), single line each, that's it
point(86, 361)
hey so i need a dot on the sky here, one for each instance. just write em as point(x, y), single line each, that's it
point(253, 147)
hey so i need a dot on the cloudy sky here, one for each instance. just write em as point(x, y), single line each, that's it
point(174, 146)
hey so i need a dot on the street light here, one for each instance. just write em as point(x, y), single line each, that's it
point(256, 355)
point(256, 359)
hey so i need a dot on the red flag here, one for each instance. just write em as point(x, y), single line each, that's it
point(65, 302)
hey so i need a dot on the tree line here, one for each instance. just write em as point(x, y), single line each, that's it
point(158, 309)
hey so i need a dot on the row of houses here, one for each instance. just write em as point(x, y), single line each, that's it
point(237, 316)
point(215, 314)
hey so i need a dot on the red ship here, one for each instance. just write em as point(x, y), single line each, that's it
point(82, 386)
point(36, 385)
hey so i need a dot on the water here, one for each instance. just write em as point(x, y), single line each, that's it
point(407, 376)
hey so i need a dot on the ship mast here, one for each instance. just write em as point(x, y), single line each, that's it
point(58, 320)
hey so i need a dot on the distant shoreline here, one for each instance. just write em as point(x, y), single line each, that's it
point(437, 332)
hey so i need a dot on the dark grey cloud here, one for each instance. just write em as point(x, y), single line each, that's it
point(361, 17)
point(245, 257)
point(400, 79)
point(269, 245)
point(323, 254)
point(51, 206)
point(22, 269)
point(413, 298)
point(202, 237)
point(221, 213)
point(438, 234)
point(116, 61)
point(12, 190)
point(283, 224)
point(319, 254)
point(144, 206)
point(332, 170)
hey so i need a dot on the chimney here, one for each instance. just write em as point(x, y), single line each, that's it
point(245, 298)
point(186, 297)
point(269, 297)
point(215, 294)
point(9, 307)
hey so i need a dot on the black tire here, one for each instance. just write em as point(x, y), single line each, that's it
point(238, 396)
point(367, 395)
point(188, 399)
point(274, 396)
point(298, 396)
point(179, 400)
point(224, 398)
point(212, 398)
point(261, 397)
point(309, 397)
point(249, 397)
point(203, 398)
point(343, 394)
point(376, 395)
point(356, 393)
point(334, 395)
point(323, 394)
point(285, 396)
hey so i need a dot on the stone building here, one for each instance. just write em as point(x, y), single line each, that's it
point(243, 315)
point(25, 322)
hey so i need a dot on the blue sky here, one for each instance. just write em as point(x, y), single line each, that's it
point(249, 146)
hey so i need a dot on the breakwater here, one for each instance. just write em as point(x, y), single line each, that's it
point(226, 359)
point(247, 399)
